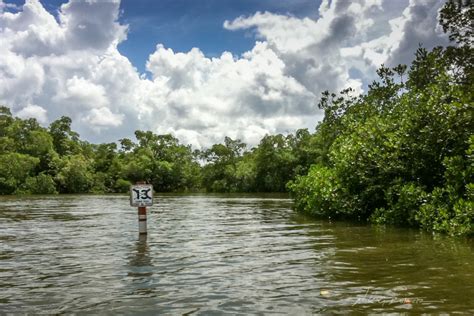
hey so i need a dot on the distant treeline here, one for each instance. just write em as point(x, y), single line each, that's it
point(38, 160)
point(402, 154)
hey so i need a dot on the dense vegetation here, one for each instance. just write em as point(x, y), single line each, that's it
point(38, 160)
point(403, 153)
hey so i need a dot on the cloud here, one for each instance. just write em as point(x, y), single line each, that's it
point(4, 5)
point(103, 117)
point(225, 95)
point(79, 92)
point(64, 66)
point(33, 111)
point(70, 65)
point(92, 24)
point(417, 25)
point(311, 49)
point(348, 36)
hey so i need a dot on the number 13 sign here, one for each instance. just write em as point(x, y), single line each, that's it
point(141, 195)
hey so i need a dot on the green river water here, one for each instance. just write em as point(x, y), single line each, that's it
point(219, 254)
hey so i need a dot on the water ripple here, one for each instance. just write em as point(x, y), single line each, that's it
point(209, 254)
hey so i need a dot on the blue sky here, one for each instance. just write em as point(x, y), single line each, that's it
point(184, 24)
point(86, 59)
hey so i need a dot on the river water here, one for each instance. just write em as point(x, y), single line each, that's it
point(216, 254)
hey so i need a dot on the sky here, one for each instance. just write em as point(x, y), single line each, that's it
point(199, 69)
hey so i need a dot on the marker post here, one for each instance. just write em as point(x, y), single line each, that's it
point(142, 220)
point(141, 195)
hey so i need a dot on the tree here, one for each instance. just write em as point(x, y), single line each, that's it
point(402, 154)
point(160, 160)
point(40, 184)
point(456, 19)
point(14, 169)
point(65, 140)
point(219, 174)
point(75, 174)
point(6, 120)
point(275, 163)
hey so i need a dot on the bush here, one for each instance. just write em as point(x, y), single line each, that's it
point(403, 202)
point(41, 184)
point(15, 168)
point(445, 214)
point(99, 180)
point(320, 193)
point(122, 186)
point(75, 175)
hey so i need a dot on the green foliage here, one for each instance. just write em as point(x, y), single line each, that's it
point(456, 18)
point(14, 169)
point(450, 208)
point(275, 163)
point(319, 193)
point(403, 153)
point(245, 173)
point(161, 161)
point(6, 119)
point(138, 167)
point(446, 214)
point(75, 175)
point(40, 184)
point(68, 165)
point(403, 201)
point(65, 140)
point(267, 168)
point(223, 161)
point(122, 186)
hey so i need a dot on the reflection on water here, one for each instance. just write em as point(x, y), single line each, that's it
point(236, 254)
point(141, 268)
point(140, 258)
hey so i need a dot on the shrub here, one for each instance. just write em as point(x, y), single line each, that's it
point(122, 186)
point(41, 184)
point(320, 193)
point(403, 202)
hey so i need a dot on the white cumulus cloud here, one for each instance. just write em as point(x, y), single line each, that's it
point(70, 65)
point(33, 111)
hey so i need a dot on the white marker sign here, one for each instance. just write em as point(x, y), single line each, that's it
point(141, 195)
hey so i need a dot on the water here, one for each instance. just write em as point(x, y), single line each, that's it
point(215, 254)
